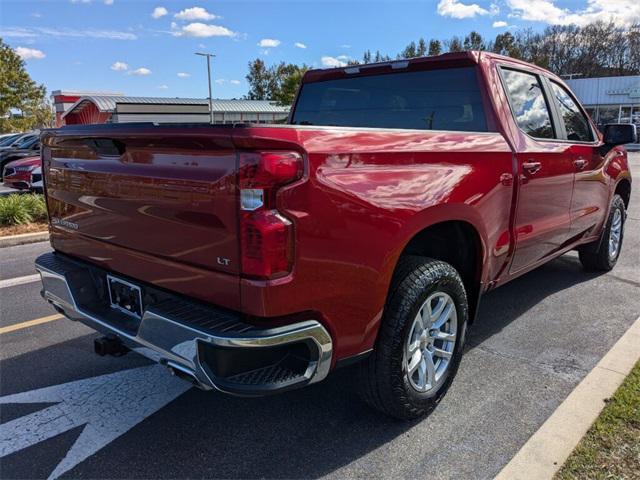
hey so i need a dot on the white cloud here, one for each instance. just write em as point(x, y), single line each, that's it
point(163, 87)
point(183, 75)
point(623, 12)
point(36, 15)
point(455, 9)
point(30, 53)
point(119, 67)
point(299, 45)
point(159, 12)
point(269, 43)
point(141, 72)
point(332, 61)
point(219, 81)
point(234, 82)
point(108, 2)
point(499, 24)
point(345, 45)
point(195, 13)
point(80, 1)
point(203, 30)
point(25, 32)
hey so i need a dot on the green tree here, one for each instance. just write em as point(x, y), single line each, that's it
point(409, 51)
point(278, 82)
point(454, 45)
point(23, 103)
point(288, 80)
point(435, 47)
point(473, 41)
point(261, 81)
point(421, 51)
point(380, 57)
point(505, 44)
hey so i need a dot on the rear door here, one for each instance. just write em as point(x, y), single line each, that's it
point(590, 191)
point(545, 171)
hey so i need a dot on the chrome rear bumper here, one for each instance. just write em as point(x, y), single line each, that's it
point(212, 347)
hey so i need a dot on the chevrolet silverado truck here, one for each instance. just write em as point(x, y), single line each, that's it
point(253, 259)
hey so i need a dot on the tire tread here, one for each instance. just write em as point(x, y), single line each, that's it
point(379, 385)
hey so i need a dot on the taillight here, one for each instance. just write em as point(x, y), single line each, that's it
point(266, 235)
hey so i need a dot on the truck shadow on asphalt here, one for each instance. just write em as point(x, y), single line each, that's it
point(507, 303)
point(305, 433)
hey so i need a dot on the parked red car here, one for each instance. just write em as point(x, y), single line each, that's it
point(17, 174)
point(254, 259)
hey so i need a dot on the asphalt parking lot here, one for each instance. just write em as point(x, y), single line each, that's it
point(536, 338)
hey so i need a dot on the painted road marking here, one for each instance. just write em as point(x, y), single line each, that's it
point(30, 323)
point(14, 282)
point(107, 406)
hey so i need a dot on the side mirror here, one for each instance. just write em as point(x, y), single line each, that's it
point(620, 133)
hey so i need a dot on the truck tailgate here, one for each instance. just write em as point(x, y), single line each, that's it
point(158, 204)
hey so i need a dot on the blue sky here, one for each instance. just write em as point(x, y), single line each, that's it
point(139, 47)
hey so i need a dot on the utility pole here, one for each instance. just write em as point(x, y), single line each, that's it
point(209, 56)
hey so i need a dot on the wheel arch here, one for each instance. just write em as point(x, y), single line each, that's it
point(623, 188)
point(458, 242)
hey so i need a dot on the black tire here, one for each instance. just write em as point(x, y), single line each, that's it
point(596, 256)
point(384, 382)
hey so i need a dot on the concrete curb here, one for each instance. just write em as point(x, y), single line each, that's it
point(547, 450)
point(23, 239)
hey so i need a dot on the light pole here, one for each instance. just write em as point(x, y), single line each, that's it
point(209, 56)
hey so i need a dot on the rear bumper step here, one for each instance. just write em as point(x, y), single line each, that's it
point(211, 347)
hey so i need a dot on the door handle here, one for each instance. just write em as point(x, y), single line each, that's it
point(531, 167)
point(580, 163)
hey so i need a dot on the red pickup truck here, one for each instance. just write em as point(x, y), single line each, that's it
point(254, 259)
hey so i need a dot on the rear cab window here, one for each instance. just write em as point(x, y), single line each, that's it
point(442, 99)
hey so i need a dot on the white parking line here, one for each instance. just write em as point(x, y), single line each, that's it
point(13, 282)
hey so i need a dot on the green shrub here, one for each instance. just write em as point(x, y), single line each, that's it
point(36, 206)
point(18, 209)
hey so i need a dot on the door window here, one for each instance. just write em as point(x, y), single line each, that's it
point(528, 103)
point(575, 122)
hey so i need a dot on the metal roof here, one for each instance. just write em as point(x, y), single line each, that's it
point(109, 103)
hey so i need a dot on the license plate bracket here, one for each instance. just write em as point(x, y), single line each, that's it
point(125, 296)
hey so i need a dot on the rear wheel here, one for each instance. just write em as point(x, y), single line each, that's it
point(603, 254)
point(420, 341)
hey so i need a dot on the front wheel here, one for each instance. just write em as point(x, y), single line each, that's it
point(603, 254)
point(420, 341)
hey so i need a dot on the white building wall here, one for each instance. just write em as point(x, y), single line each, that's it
point(610, 99)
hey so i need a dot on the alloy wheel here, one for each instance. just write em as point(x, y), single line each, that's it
point(431, 341)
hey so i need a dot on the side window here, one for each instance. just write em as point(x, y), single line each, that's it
point(528, 103)
point(576, 124)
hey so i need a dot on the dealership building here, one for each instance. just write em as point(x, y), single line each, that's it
point(74, 108)
point(610, 99)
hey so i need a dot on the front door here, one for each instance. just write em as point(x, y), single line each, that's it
point(545, 172)
point(589, 204)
